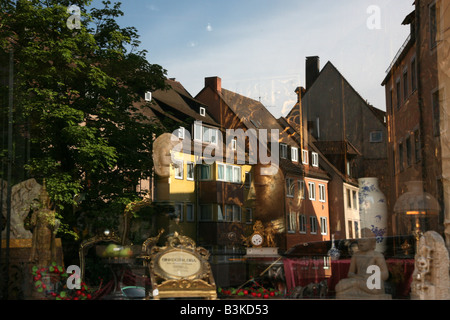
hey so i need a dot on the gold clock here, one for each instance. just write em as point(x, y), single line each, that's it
point(257, 239)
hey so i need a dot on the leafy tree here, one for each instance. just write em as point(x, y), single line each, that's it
point(76, 98)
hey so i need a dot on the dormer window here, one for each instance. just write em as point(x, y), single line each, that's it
point(283, 151)
point(148, 96)
point(181, 133)
point(315, 159)
point(305, 156)
point(294, 154)
point(202, 111)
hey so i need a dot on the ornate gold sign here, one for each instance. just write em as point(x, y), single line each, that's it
point(180, 269)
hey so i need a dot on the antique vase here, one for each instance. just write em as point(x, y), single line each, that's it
point(373, 210)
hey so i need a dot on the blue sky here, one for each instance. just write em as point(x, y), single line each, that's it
point(258, 47)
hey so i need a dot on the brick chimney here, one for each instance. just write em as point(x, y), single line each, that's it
point(214, 83)
point(312, 70)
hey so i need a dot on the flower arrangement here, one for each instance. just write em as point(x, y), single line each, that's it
point(51, 282)
point(255, 290)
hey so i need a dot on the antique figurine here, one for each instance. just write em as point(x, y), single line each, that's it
point(356, 285)
point(45, 226)
point(269, 233)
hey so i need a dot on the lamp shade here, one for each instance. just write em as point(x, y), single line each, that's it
point(416, 211)
point(416, 200)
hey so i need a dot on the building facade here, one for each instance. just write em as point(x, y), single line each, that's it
point(416, 87)
point(295, 197)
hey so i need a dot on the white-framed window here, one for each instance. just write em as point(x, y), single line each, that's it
point(292, 222)
point(237, 174)
point(322, 193)
point(210, 135)
point(315, 159)
point(190, 216)
point(349, 198)
point(302, 224)
point(148, 96)
point(178, 168)
point(220, 172)
point(205, 172)
point(202, 111)
point(323, 226)
point(294, 154)
point(313, 224)
point(206, 212)
point(180, 133)
point(229, 173)
point(305, 157)
point(198, 131)
point(179, 211)
point(356, 228)
point(190, 167)
point(301, 189)
point(283, 151)
point(355, 199)
point(290, 187)
point(312, 190)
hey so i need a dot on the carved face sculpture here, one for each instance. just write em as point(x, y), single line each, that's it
point(161, 154)
point(269, 190)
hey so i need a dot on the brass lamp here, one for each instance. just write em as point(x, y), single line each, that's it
point(415, 212)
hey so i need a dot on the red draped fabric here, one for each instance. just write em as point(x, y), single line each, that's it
point(301, 272)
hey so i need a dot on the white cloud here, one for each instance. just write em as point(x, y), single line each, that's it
point(152, 7)
point(209, 27)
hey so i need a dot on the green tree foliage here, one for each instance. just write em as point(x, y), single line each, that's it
point(74, 96)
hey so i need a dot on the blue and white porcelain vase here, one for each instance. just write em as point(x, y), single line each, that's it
point(334, 252)
point(373, 210)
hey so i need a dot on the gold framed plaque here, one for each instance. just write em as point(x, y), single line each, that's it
point(180, 270)
point(178, 264)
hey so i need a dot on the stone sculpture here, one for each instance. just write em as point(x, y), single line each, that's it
point(23, 196)
point(431, 274)
point(356, 285)
point(162, 157)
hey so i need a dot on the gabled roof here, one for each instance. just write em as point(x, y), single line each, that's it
point(379, 114)
point(177, 104)
point(313, 147)
point(253, 114)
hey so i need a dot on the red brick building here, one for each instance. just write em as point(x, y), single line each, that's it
point(414, 103)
